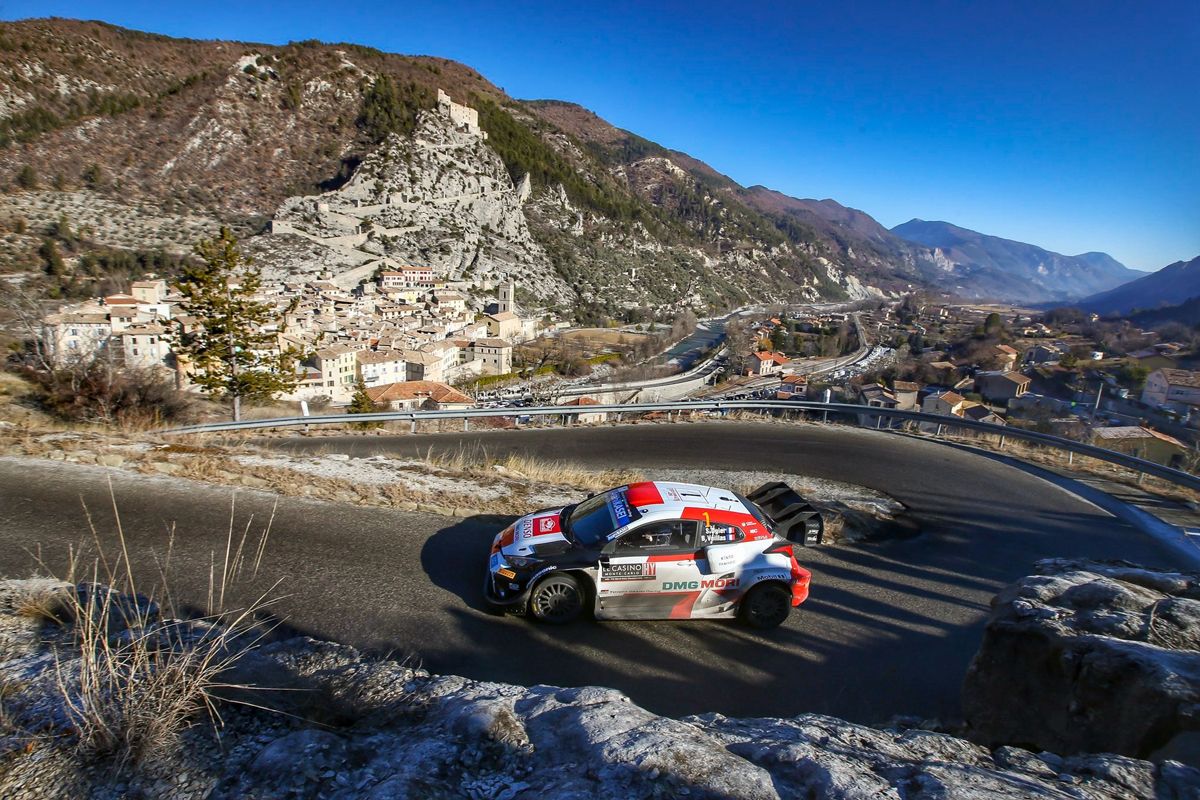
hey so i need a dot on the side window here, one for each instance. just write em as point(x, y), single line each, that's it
point(720, 533)
point(668, 535)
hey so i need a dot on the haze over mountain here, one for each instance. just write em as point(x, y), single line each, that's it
point(1159, 292)
point(147, 141)
point(1010, 268)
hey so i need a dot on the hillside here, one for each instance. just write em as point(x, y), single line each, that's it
point(1171, 286)
point(145, 143)
point(1016, 270)
point(173, 137)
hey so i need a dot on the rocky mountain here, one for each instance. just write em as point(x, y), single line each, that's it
point(1015, 270)
point(170, 138)
point(146, 142)
point(1172, 285)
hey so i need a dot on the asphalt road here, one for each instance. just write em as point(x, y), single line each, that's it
point(889, 629)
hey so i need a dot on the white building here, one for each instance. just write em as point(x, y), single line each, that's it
point(71, 335)
point(381, 367)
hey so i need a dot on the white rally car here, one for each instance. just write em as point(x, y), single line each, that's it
point(657, 550)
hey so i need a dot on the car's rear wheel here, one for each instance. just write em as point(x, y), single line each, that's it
point(558, 599)
point(766, 606)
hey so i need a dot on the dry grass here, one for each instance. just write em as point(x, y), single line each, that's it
point(138, 673)
point(477, 463)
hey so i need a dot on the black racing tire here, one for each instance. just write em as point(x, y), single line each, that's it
point(557, 600)
point(766, 606)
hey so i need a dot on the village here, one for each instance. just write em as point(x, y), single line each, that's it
point(405, 336)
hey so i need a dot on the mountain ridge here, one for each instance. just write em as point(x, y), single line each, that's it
point(228, 131)
point(1053, 276)
point(1173, 285)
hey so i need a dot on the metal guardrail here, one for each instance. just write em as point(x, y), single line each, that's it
point(720, 406)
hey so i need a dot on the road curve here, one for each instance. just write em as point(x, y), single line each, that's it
point(889, 629)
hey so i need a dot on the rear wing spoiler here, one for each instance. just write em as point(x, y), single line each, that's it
point(792, 516)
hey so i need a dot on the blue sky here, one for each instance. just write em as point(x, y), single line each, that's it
point(1071, 125)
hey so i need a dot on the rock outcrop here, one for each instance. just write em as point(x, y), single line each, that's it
point(1091, 657)
point(348, 726)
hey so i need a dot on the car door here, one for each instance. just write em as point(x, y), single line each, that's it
point(648, 571)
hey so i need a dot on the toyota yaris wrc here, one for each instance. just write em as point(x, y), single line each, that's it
point(657, 550)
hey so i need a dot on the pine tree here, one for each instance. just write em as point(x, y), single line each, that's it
point(361, 403)
point(233, 353)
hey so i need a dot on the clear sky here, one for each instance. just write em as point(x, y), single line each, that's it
point(1071, 125)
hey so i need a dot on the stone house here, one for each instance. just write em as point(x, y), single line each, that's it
point(1141, 442)
point(767, 363)
point(378, 367)
point(1178, 388)
point(338, 364)
point(422, 366)
point(1000, 387)
point(504, 325)
point(145, 345)
point(906, 394)
point(419, 395)
point(496, 355)
point(72, 335)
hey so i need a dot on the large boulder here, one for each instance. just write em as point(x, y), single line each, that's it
point(1087, 657)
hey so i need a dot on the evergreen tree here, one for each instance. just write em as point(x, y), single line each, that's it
point(27, 178)
point(232, 352)
point(52, 260)
point(361, 403)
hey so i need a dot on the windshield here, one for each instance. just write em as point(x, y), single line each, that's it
point(595, 518)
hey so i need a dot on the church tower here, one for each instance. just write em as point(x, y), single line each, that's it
point(508, 298)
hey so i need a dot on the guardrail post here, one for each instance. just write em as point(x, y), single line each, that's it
point(466, 424)
point(1002, 441)
point(1141, 477)
point(1070, 457)
point(938, 432)
point(412, 425)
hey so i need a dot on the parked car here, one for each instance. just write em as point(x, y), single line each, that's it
point(658, 550)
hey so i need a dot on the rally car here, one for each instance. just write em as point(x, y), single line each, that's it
point(658, 550)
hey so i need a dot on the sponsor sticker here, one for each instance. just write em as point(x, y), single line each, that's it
point(628, 571)
point(710, 583)
point(541, 572)
point(620, 509)
point(506, 573)
point(527, 529)
point(546, 525)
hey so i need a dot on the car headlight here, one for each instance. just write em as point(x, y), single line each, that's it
point(520, 561)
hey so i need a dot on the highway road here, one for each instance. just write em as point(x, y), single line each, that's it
point(889, 629)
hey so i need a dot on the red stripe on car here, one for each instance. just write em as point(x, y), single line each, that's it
point(683, 609)
point(643, 494)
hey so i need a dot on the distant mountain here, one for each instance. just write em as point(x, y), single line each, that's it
point(1169, 287)
point(1015, 270)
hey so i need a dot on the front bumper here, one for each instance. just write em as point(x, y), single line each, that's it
point(498, 591)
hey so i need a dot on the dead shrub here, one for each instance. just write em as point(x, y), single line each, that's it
point(93, 390)
point(139, 671)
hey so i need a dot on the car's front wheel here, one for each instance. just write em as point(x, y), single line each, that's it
point(766, 606)
point(558, 599)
